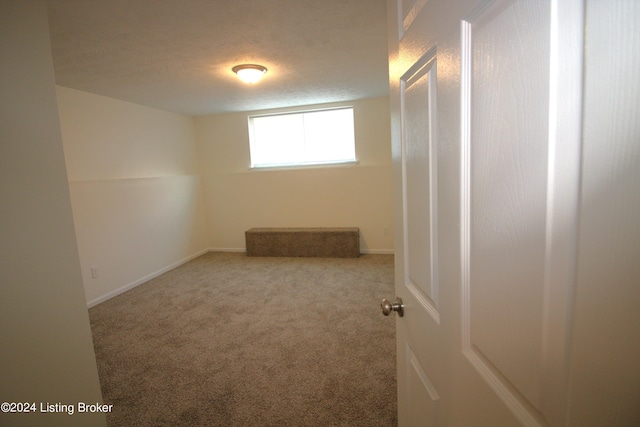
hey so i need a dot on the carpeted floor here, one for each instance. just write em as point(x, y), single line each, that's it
point(231, 340)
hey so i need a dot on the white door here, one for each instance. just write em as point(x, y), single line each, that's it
point(517, 194)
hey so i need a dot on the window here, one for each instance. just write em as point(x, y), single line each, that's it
point(302, 138)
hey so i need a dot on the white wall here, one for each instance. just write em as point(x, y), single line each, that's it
point(135, 190)
point(347, 196)
point(47, 353)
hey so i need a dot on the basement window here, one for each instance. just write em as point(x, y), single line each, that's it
point(302, 138)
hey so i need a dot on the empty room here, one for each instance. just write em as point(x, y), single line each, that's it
point(316, 213)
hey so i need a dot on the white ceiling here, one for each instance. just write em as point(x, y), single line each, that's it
point(176, 55)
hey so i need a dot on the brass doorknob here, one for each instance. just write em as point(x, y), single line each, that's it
point(388, 307)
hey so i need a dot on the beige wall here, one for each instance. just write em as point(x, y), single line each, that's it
point(137, 178)
point(351, 196)
point(47, 353)
point(135, 190)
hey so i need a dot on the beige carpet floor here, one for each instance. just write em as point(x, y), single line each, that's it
point(231, 340)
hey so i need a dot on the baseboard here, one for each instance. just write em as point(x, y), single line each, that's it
point(144, 279)
point(362, 251)
point(227, 250)
point(377, 251)
point(157, 273)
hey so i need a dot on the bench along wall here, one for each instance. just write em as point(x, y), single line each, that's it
point(337, 242)
point(238, 199)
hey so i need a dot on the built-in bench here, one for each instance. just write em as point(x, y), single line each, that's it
point(343, 242)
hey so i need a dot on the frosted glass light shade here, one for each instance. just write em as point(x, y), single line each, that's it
point(249, 73)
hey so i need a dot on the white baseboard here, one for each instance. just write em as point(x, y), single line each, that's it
point(157, 273)
point(144, 279)
point(227, 250)
point(362, 251)
point(377, 251)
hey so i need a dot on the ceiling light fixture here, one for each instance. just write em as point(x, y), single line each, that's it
point(249, 73)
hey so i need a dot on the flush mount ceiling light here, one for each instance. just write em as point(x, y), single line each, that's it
point(249, 73)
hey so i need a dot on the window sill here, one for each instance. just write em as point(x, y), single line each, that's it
point(349, 163)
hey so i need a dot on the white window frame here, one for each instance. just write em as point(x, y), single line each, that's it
point(300, 162)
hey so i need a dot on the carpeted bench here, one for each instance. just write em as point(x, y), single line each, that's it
point(343, 242)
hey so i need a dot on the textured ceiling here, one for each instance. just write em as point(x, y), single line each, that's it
point(177, 55)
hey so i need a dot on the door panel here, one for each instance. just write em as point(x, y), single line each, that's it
point(486, 101)
point(418, 98)
point(410, 10)
point(506, 47)
point(424, 394)
point(420, 291)
point(606, 339)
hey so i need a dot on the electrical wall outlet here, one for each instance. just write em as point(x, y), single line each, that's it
point(95, 271)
